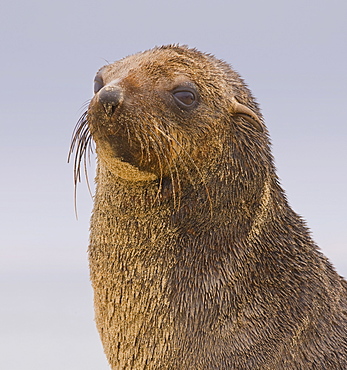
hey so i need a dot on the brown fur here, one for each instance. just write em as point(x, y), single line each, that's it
point(197, 260)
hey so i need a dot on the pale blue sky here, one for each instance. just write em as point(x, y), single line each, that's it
point(292, 54)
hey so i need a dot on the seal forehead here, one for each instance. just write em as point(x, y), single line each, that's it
point(163, 65)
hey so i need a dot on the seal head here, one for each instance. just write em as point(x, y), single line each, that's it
point(149, 111)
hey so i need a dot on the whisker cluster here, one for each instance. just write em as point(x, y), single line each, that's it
point(170, 138)
point(154, 142)
point(81, 145)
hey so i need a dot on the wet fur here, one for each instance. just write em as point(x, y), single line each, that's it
point(204, 265)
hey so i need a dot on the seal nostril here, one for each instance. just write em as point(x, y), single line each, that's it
point(109, 108)
point(110, 97)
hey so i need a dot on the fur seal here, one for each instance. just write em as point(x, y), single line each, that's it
point(197, 261)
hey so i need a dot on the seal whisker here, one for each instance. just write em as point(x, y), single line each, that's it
point(82, 154)
point(160, 186)
point(143, 140)
point(78, 142)
point(169, 137)
point(85, 105)
point(81, 144)
point(157, 148)
point(165, 150)
point(162, 148)
point(88, 150)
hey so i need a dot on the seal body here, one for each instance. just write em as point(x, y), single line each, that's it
point(197, 260)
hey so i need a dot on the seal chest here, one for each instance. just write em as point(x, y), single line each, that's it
point(197, 260)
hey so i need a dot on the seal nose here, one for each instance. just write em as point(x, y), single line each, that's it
point(110, 97)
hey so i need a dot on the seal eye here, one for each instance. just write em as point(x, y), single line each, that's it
point(184, 98)
point(98, 84)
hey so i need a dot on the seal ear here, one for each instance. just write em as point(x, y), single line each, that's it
point(246, 113)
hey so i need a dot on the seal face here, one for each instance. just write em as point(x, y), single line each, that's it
point(142, 113)
point(197, 260)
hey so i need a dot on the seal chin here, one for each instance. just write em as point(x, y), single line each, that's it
point(119, 166)
point(121, 163)
point(126, 171)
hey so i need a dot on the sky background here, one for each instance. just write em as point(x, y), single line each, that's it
point(292, 54)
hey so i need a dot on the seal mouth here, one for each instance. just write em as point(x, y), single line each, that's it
point(153, 154)
point(125, 158)
point(125, 144)
point(128, 152)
